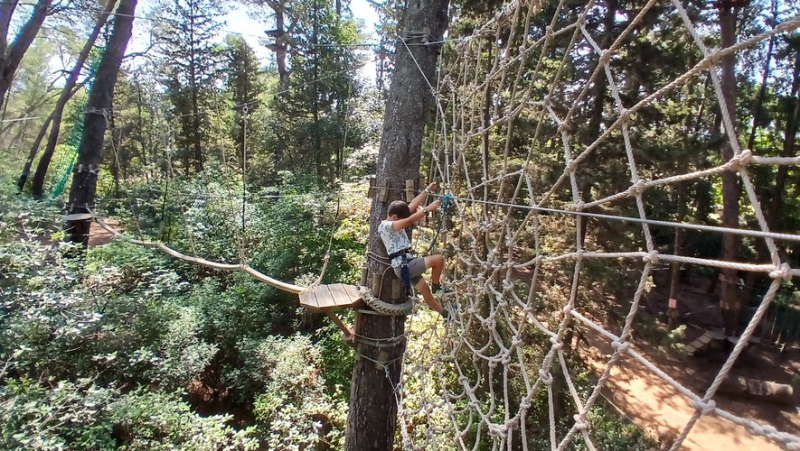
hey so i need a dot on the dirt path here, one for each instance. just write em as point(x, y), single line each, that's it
point(99, 236)
point(658, 408)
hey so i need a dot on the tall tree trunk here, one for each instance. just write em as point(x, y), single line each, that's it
point(372, 420)
point(194, 85)
point(6, 12)
point(12, 55)
point(281, 38)
point(596, 119)
point(101, 98)
point(730, 299)
point(675, 267)
point(315, 109)
point(761, 247)
point(55, 117)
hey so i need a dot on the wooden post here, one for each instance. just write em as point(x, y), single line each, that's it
point(383, 192)
point(372, 189)
point(410, 190)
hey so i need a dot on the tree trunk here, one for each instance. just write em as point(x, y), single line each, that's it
point(12, 55)
point(6, 12)
point(596, 119)
point(730, 299)
point(372, 420)
point(675, 267)
point(762, 253)
point(101, 98)
point(196, 144)
point(55, 117)
point(279, 47)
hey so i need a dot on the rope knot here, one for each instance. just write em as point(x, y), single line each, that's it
point(547, 378)
point(580, 422)
point(782, 272)
point(548, 30)
point(706, 407)
point(651, 257)
point(567, 309)
point(637, 188)
point(557, 344)
point(621, 346)
point(605, 55)
point(497, 430)
point(571, 164)
point(741, 160)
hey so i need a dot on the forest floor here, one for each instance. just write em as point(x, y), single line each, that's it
point(99, 236)
point(657, 407)
point(660, 409)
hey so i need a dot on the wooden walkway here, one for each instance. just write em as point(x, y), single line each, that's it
point(323, 298)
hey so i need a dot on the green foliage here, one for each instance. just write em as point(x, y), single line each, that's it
point(294, 411)
point(83, 415)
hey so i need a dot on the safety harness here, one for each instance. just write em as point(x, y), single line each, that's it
point(405, 274)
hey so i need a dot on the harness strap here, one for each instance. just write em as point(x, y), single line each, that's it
point(400, 253)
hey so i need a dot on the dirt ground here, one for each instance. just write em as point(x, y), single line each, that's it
point(662, 411)
point(658, 408)
point(99, 236)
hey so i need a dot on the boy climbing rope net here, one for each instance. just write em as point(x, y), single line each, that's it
point(406, 265)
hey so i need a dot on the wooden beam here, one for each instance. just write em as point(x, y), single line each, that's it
point(348, 332)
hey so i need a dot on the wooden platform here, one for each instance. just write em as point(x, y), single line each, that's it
point(323, 298)
point(702, 342)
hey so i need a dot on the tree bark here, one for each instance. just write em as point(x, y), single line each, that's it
point(101, 98)
point(730, 299)
point(372, 420)
point(673, 315)
point(12, 55)
point(6, 12)
point(281, 38)
point(598, 104)
point(56, 116)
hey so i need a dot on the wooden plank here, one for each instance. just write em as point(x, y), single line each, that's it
point(325, 297)
point(309, 300)
point(355, 295)
point(372, 189)
point(337, 295)
point(340, 295)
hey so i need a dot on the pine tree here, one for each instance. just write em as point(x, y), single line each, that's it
point(245, 84)
point(189, 71)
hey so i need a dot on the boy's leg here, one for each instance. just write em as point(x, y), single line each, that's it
point(422, 288)
point(436, 264)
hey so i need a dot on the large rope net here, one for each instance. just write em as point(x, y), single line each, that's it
point(520, 279)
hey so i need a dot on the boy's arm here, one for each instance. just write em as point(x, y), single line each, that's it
point(422, 196)
point(414, 218)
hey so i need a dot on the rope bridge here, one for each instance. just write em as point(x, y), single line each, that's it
point(486, 377)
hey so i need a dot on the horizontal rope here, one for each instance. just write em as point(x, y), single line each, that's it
point(242, 267)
